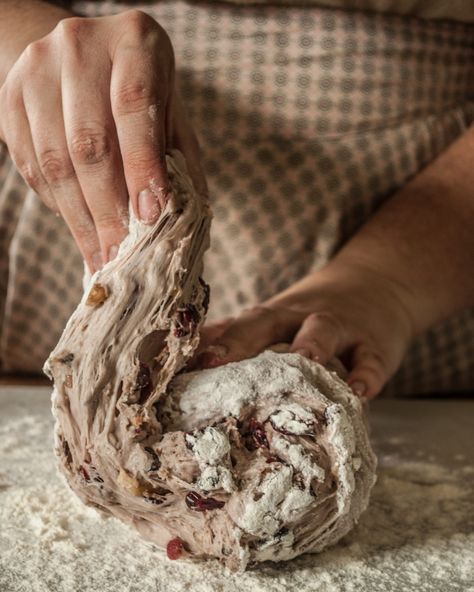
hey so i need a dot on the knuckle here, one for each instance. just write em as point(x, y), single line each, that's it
point(84, 230)
point(70, 35)
point(314, 317)
point(55, 166)
point(371, 357)
point(36, 52)
point(142, 28)
point(144, 163)
point(71, 28)
point(108, 220)
point(138, 21)
point(89, 146)
point(324, 318)
point(141, 31)
point(133, 96)
point(30, 174)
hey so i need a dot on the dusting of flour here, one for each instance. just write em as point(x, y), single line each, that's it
point(418, 533)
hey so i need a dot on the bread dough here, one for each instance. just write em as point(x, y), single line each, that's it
point(259, 460)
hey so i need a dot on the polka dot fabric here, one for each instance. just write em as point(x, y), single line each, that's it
point(309, 119)
point(41, 271)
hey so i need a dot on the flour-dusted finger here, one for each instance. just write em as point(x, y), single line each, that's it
point(53, 158)
point(93, 143)
point(139, 98)
point(16, 133)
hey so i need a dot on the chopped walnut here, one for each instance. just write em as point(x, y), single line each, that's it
point(129, 483)
point(98, 295)
point(137, 420)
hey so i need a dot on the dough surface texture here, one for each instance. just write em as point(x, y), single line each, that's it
point(258, 460)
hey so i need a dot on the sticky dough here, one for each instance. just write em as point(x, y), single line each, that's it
point(258, 460)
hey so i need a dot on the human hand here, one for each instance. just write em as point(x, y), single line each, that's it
point(345, 311)
point(87, 114)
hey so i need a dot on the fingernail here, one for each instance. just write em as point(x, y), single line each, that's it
point(97, 261)
point(113, 250)
point(303, 352)
point(148, 206)
point(359, 388)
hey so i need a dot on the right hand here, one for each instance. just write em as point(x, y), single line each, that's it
point(87, 113)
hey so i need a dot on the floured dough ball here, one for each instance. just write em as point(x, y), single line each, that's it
point(263, 459)
point(277, 447)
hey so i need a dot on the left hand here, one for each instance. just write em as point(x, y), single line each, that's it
point(349, 312)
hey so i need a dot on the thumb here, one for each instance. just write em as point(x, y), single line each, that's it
point(369, 372)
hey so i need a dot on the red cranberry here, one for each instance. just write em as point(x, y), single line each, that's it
point(174, 549)
point(196, 502)
point(187, 320)
point(258, 434)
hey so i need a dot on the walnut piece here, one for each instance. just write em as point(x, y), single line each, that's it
point(98, 295)
point(129, 483)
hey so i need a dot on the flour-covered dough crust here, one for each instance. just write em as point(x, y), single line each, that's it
point(258, 460)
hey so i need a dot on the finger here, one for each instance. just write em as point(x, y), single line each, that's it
point(250, 334)
point(184, 138)
point(369, 372)
point(22, 151)
point(94, 150)
point(139, 99)
point(213, 331)
point(209, 334)
point(319, 338)
point(49, 140)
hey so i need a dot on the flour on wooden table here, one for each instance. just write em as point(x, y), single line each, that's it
point(418, 533)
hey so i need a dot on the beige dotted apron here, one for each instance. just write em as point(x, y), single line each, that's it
point(309, 118)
